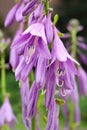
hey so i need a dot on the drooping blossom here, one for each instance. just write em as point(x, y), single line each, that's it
point(30, 44)
point(6, 114)
point(82, 79)
point(24, 97)
point(53, 115)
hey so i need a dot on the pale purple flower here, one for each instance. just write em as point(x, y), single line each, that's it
point(82, 80)
point(75, 99)
point(32, 100)
point(30, 44)
point(24, 97)
point(50, 85)
point(29, 6)
point(49, 28)
point(36, 14)
point(53, 115)
point(15, 14)
point(6, 114)
point(58, 50)
point(41, 69)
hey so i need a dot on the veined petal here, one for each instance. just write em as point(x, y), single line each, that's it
point(43, 49)
point(19, 16)
point(36, 29)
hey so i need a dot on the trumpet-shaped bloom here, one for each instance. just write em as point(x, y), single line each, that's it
point(58, 50)
point(24, 98)
point(82, 79)
point(6, 114)
point(53, 115)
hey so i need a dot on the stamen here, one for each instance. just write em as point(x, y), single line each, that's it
point(60, 72)
point(63, 92)
point(30, 53)
point(61, 83)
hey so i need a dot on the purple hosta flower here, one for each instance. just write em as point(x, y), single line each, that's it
point(24, 98)
point(49, 28)
point(32, 100)
point(53, 115)
point(14, 58)
point(82, 79)
point(58, 50)
point(36, 14)
point(50, 85)
point(30, 44)
point(75, 99)
point(41, 69)
point(65, 72)
point(6, 114)
point(29, 7)
point(15, 14)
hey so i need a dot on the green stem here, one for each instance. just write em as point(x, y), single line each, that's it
point(73, 40)
point(33, 123)
point(3, 75)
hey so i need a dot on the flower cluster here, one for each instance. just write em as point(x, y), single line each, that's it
point(77, 48)
point(39, 49)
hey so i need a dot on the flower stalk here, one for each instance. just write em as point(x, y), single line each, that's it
point(3, 75)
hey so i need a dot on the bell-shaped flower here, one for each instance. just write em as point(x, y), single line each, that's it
point(24, 97)
point(59, 52)
point(41, 69)
point(75, 99)
point(32, 100)
point(49, 28)
point(53, 115)
point(82, 80)
point(6, 114)
point(14, 58)
point(50, 85)
point(65, 72)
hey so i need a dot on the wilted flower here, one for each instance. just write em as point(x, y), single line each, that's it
point(6, 114)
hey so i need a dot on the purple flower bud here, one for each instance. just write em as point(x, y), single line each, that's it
point(11, 16)
point(28, 8)
point(35, 15)
point(18, 14)
point(49, 28)
point(53, 115)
